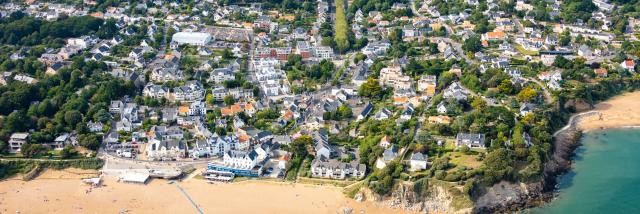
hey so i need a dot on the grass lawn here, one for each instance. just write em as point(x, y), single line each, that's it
point(353, 190)
point(449, 143)
point(239, 179)
point(460, 159)
point(521, 49)
point(321, 181)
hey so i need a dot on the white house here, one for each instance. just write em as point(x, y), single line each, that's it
point(155, 91)
point(418, 162)
point(240, 159)
point(61, 141)
point(334, 169)
point(94, 126)
point(441, 108)
point(470, 140)
point(385, 142)
point(170, 149)
point(383, 114)
point(526, 108)
point(16, 140)
point(629, 65)
point(190, 92)
point(388, 155)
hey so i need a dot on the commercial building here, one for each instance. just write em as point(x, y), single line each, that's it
point(192, 38)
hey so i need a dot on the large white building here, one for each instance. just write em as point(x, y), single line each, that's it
point(334, 169)
point(192, 38)
point(240, 159)
point(324, 52)
point(16, 140)
point(191, 91)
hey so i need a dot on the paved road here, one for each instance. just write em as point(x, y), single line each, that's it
point(547, 95)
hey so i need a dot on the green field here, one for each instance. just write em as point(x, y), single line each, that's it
point(341, 27)
point(521, 49)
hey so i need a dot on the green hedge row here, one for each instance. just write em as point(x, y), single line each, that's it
point(11, 167)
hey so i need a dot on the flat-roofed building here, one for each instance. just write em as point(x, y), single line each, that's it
point(192, 38)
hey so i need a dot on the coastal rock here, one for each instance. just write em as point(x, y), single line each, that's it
point(347, 210)
point(359, 197)
point(439, 201)
point(436, 200)
point(509, 197)
point(579, 105)
point(506, 197)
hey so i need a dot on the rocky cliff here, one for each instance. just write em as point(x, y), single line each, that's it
point(503, 197)
point(506, 197)
point(436, 200)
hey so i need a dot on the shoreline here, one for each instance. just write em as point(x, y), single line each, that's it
point(616, 113)
point(621, 111)
point(61, 191)
point(610, 128)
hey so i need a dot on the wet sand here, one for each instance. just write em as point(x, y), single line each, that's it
point(53, 193)
point(619, 111)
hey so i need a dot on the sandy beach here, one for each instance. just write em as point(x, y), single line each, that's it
point(619, 111)
point(63, 192)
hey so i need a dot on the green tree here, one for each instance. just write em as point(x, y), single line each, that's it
point(527, 94)
point(472, 44)
point(228, 100)
point(210, 100)
point(506, 86)
point(108, 30)
point(371, 89)
point(17, 121)
point(73, 117)
point(498, 166)
point(465, 149)
point(345, 112)
point(102, 116)
point(68, 152)
point(472, 82)
point(299, 146)
point(89, 141)
point(478, 103)
point(30, 150)
point(227, 54)
point(3, 146)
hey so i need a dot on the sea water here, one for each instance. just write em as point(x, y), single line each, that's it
point(605, 177)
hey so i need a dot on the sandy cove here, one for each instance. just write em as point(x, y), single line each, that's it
point(619, 111)
point(63, 192)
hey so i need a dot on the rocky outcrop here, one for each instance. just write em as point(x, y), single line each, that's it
point(436, 200)
point(579, 105)
point(440, 200)
point(506, 197)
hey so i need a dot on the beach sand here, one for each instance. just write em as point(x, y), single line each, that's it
point(619, 111)
point(63, 192)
